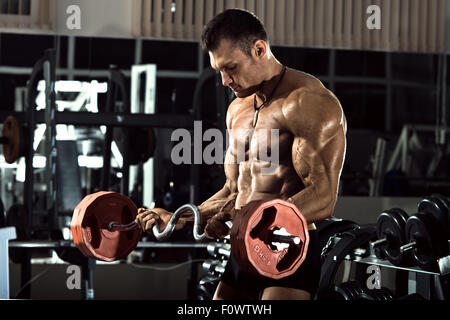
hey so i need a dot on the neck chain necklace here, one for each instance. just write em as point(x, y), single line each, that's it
point(255, 117)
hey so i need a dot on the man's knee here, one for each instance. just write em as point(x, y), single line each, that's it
point(281, 293)
point(227, 292)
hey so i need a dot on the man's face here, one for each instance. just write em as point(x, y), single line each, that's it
point(239, 71)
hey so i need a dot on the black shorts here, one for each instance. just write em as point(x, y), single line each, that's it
point(305, 278)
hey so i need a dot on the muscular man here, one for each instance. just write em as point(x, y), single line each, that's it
point(311, 142)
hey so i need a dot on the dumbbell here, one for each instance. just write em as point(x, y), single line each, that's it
point(213, 267)
point(353, 290)
point(103, 227)
point(349, 290)
point(219, 250)
point(427, 236)
point(382, 294)
point(13, 140)
point(391, 236)
point(438, 206)
point(206, 287)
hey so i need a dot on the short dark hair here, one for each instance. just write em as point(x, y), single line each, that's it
point(240, 26)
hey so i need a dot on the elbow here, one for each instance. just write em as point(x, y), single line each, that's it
point(327, 203)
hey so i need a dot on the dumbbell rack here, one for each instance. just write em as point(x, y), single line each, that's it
point(220, 252)
point(426, 283)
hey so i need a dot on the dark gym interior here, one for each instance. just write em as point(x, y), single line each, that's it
point(95, 109)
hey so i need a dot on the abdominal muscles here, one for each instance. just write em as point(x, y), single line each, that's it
point(259, 181)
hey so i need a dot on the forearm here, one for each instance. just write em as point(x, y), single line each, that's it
point(314, 205)
point(224, 199)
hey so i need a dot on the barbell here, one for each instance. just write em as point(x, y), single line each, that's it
point(267, 237)
point(104, 226)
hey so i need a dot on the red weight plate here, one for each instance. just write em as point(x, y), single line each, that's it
point(89, 226)
point(251, 232)
point(77, 217)
point(11, 131)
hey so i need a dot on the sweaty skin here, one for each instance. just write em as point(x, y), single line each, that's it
point(311, 127)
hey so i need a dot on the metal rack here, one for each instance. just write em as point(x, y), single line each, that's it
point(48, 244)
point(429, 284)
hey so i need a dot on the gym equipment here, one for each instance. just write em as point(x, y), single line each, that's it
point(339, 246)
point(13, 141)
point(17, 217)
point(213, 267)
point(438, 206)
point(206, 287)
point(101, 226)
point(104, 227)
point(427, 237)
point(391, 236)
point(350, 290)
point(219, 250)
point(332, 226)
point(138, 144)
point(139, 148)
point(382, 294)
point(270, 238)
point(354, 290)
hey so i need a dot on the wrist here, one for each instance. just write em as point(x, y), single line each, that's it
point(180, 224)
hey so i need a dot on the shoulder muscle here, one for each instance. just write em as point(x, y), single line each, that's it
point(317, 113)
